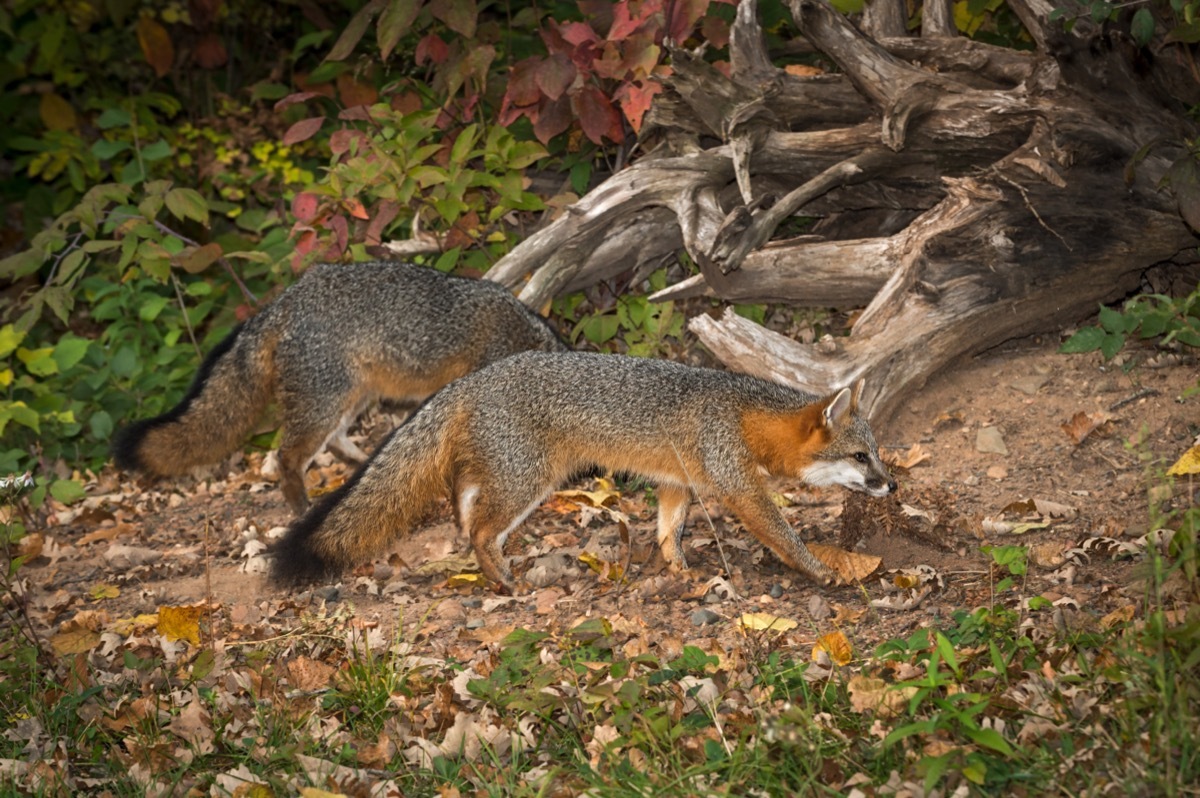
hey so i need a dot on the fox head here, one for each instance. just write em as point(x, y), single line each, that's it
point(850, 457)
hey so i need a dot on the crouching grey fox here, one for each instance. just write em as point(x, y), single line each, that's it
point(498, 441)
point(340, 338)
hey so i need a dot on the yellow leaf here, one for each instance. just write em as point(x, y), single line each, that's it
point(6, 377)
point(57, 113)
point(181, 623)
point(467, 580)
point(127, 626)
point(1188, 464)
point(836, 646)
point(595, 498)
point(103, 591)
point(156, 45)
point(760, 621)
point(75, 640)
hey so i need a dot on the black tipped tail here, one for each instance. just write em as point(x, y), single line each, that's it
point(296, 561)
point(127, 444)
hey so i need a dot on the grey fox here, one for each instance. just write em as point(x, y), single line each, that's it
point(498, 441)
point(338, 339)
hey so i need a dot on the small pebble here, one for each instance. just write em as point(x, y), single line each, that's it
point(776, 590)
point(702, 617)
point(328, 593)
point(472, 602)
point(475, 623)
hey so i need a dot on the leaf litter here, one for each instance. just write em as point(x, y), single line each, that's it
point(161, 574)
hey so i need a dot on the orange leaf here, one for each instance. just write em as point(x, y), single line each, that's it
point(156, 45)
point(1083, 424)
point(355, 209)
point(836, 645)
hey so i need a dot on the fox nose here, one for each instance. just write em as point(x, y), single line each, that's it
point(892, 486)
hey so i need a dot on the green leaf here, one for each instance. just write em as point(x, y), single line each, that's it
point(394, 23)
point(354, 31)
point(187, 203)
point(38, 362)
point(113, 117)
point(156, 151)
point(69, 351)
point(105, 149)
point(124, 363)
point(1114, 321)
point(153, 306)
point(66, 490)
point(989, 738)
point(1112, 344)
point(101, 425)
point(1087, 339)
point(21, 264)
point(1141, 27)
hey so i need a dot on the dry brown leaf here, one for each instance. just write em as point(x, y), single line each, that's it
point(1084, 424)
point(592, 498)
point(849, 566)
point(844, 614)
point(803, 70)
point(869, 694)
point(30, 546)
point(181, 623)
point(309, 674)
point(1118, 616)
point(836, 646)
point(1048, 555)
point(194, 725)
point(106, 533)
point(915, 455)
point(74, 639)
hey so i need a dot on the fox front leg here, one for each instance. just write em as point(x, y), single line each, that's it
point(673, 502)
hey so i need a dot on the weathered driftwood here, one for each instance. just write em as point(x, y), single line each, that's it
point(965, 193)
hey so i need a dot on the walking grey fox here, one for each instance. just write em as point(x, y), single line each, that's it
point(498, 441)
point(341, 337)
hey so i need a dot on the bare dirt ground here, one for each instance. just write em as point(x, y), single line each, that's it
point(997, 467)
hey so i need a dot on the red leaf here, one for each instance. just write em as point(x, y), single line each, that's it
point(555, 75)
point(684, 16)
point(635, 101)
point(210, 52)
point(523, 82)
point(385, 214)
point(431, 48)
point(609, 65)
point(292, 99)
point(341, 229)
point(552, 118)
point(340, 141)
point(579, 33)
point(303, 130)
point(460, 16)
point(355, 113)
point(306, 242)
point(715, 31)
point(156, 45)
point(304, 207)
point(597, 116)
point(625, 23)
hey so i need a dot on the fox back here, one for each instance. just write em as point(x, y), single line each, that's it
point(499, 440)
point(340, 338)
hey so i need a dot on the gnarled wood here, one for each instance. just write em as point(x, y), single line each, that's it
point(963, 193)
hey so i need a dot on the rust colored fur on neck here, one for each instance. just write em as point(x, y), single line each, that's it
point(785, 443)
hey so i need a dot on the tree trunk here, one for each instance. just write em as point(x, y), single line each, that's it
point(965, 193)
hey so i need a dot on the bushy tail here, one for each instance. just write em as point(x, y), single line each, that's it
point(229, 393)
point(384, 499)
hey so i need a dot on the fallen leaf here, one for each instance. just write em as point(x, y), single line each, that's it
point(103, 591)
point(1118, 616)
point(915, 455)
point(181, 623)
point(1084, 424)
point(870, 694)
point(1048, 555)
point(305, 673)
point(1189, 463)
point(467, 580)
point(849, 566)
point(763, 621)
point(844, 614)
point(106, 533)
point(836, 646)
point(593, 498)
point(74, 639)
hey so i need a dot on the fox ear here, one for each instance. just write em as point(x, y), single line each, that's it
point(836, 407)
point(856, 394)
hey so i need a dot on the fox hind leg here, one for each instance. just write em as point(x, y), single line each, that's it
point(488, 515)
point(308, 425)
point(673, 502)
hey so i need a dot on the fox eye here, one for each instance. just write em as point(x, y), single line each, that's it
point(861, 457)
